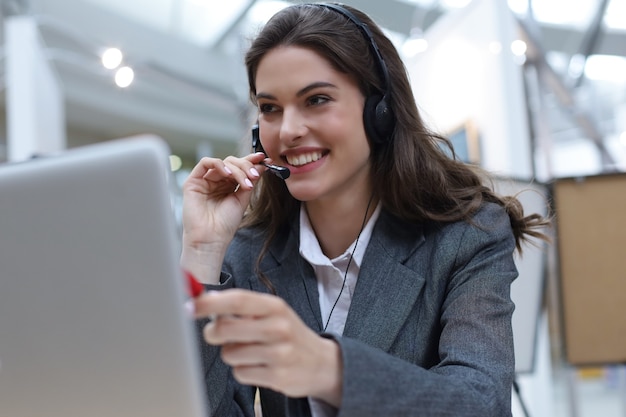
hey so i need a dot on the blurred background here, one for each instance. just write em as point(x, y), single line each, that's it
point(189, 84)
point(532, 90)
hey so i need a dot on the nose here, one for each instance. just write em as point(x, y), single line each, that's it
point(293, 125)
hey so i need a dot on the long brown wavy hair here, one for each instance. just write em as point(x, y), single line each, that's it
point(411, 176)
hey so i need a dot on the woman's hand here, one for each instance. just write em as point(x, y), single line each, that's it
point(215, 197)
point(268, 345)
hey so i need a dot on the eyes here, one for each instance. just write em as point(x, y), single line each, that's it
point(317, 100)
point(267, 108)
point(311, 101)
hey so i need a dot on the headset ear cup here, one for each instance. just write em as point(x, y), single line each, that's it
point(369, 119)
point(378, 119)
point(385, 119)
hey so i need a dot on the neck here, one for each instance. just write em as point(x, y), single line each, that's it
point(338, 222)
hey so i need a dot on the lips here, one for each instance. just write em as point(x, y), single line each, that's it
point(304, 158)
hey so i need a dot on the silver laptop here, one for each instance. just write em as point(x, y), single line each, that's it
point(92, 318)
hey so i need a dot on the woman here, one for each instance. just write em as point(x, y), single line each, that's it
point(375, 280)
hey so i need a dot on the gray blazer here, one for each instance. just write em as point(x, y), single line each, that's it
point(429, 328)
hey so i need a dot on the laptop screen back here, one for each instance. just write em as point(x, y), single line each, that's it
point(92, 321)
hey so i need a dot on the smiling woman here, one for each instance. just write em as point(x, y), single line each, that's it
point(379, 259)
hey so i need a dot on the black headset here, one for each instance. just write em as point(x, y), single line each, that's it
point(378, 118)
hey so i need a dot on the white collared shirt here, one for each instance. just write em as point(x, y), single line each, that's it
point(330, 275)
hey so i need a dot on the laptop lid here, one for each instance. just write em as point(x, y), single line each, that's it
point(92, 318)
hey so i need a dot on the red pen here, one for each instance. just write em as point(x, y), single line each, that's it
point(194, 288)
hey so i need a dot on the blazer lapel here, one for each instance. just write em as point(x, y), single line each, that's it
point(386, 290)
point(294, 278)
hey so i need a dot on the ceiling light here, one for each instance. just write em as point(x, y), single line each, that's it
point(175, 162)
point(518, 47)
point(112, 58)
point(124, 77)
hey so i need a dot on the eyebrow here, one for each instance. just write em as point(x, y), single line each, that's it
point(301, 92)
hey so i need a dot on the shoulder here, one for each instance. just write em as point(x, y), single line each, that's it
point(431, 242)
point(487, 238)
point(444, 244)
point(490, 221)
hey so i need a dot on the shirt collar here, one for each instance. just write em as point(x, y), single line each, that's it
point(310, 248)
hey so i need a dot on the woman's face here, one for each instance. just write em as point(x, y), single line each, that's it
point(311, 121)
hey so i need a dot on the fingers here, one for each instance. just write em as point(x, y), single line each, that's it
point(207, 164)
point(253, 354)
point(298, 364)
point(238, 302)
point(241, 173)
point(228, 174)
point(241, 316)
point(265, 365)
point(267, 344)
point(224, 330)
point(296, 372)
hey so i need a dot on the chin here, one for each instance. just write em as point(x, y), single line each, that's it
point(304, 194)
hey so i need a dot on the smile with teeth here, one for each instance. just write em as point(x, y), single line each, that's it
point(303, 159)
